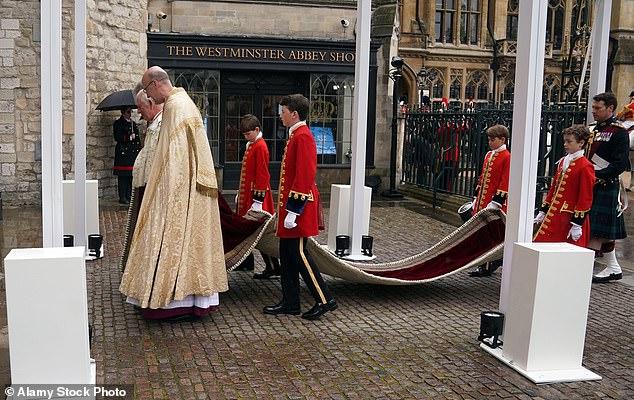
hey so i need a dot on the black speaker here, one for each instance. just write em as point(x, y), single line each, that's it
point(94, 245)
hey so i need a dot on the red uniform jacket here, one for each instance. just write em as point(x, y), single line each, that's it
point(298, 192)
point(494, 180)
point(569, 200)
point(255, 179)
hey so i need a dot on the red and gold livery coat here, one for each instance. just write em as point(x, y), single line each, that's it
point(298, 192)
point(627, 113)
point(255, 179)
point(569, 200)
point(494, 180)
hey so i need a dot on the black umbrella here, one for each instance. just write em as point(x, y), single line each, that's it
point(117, 101)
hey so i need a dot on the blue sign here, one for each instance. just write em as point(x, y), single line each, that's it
point(324, 139)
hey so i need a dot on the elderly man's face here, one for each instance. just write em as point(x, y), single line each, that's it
point(146, 111)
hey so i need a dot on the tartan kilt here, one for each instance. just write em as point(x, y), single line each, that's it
point(604, 222)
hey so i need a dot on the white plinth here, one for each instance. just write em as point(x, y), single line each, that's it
point(339, 218)
point(92, 207)
point(545, 321)
point(47, 315)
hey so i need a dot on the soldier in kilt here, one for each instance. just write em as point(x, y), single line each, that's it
point(607, 149)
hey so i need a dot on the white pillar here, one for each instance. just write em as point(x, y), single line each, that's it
point(80, 123)
point(51, 125)
point(47, 316)
point(599, 57)
point(359, 123)
point(526, 122)
point(545, 326)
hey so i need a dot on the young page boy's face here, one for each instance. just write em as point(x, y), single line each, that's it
point(496, 142)
point(251, 135)
point(572, 145)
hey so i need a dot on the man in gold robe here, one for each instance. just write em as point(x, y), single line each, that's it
point(176, 265)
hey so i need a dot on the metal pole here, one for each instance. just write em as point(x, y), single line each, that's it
point(51, 124)
point(80, 123)
point(600, 43)
point(527, 110)
point(393, 193)
point(359, 124)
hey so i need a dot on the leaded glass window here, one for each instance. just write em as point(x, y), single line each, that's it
point(331, 100)
point(469, 21)
point(445, 16)
point(204, 89)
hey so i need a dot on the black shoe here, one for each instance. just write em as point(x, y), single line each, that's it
point(320, 309)
point(281, 308)
point(266, 274)
point(183, 318)
point(124, 201)
point(480, 272)
point(247, 265)
point(605, 279)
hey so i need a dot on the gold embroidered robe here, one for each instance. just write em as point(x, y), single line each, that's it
point(176, 248)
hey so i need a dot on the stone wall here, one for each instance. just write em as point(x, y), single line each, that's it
point(20, 172)
point(115, 60)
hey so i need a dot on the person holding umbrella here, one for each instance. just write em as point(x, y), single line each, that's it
point(126, 134)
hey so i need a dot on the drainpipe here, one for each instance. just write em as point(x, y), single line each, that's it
point(495, 65)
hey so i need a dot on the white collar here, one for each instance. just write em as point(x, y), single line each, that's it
point(571, 157)
point(297, 125)
point(501, 148)
point(258, 137)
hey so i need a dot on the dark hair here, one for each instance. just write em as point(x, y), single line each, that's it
point(124, 110)
point(608, 98)
point(632, 93)
point(580, 132)
point(296, 102)
point(249, 122)
point(498, 131)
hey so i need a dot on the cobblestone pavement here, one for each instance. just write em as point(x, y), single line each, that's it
point(383, 342)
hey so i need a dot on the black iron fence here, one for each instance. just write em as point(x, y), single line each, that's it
point(444, 151)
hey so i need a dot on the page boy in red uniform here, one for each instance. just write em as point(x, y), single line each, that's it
point(298, 214)
point(255, 188)
point(563, 216)
point(493, 185)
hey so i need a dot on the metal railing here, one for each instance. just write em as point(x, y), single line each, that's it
point(444, 151)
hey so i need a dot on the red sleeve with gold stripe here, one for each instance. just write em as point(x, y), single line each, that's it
point(305, 171)
point(502, 191)
point(262, 178)
point(586, 186)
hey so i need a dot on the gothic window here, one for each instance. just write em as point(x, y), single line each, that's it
point(512, 18)
point(331, 98)
point(477, 87)
point(555, 23)
point(552, 88)
point(456, 84)
point(509, 92)
point(445, 14)
point(469, 21)
point(204, 89)
point(435, 81)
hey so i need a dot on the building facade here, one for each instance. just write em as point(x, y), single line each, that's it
point(236, 57)
point(468, 49)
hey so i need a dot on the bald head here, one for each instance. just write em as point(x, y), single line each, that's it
point(147, 107)
point(156, 84)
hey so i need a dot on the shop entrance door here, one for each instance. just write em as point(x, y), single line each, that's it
point(258, 94)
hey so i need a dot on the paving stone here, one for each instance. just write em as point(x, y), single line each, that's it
point(384, 342)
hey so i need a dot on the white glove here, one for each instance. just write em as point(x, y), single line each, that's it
point(574, 232)
point(473, 203)
point(235, 201)
point(289, 221)
point(256, 206)
point(493, 206)
point(539, 218)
